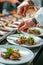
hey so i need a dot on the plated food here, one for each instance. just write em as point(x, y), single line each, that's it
point(13, 54)
point(35, 31)
point(26, 40)
point(7, 23)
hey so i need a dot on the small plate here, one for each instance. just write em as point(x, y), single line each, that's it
point(26, 55)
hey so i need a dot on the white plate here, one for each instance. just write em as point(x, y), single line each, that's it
point(40, 29)
point(37, 40)
point(26, 55)
point(26, 19)
point(12, 25)
point(2, 33)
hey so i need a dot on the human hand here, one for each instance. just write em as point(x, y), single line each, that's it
point(23, 26)
point(22, 8)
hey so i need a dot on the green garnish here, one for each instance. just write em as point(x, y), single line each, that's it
point(36, 30)
point(28, 40)
point(17, 50)
point(20, 36)
point(16, 56)
point(9, 52)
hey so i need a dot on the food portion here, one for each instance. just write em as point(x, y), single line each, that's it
point(25, 41)
point(34, 31)
point(7, 23)
point(11, 54)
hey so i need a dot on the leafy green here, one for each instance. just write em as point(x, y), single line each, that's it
point(20, 36)
point(28, 40)
point(36, 30)
point(17, 50)
point(9, 52)
point(16, 56)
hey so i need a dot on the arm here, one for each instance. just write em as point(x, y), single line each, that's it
point(2, 0)
point(10, 1)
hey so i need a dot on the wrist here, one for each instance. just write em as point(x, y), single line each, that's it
point(34, 20)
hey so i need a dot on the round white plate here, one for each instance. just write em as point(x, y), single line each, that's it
point(11, 39)
point(26, 55)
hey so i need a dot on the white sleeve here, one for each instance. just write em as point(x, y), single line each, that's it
point(39, 16)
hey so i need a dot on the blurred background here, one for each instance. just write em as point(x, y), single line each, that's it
point(5, 7)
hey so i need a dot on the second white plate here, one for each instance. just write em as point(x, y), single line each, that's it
point(37, 40)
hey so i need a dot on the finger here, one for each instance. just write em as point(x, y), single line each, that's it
point(23, 27)
point(25, 30)
point(21, 24)
point(25, 10)
point(20, 11)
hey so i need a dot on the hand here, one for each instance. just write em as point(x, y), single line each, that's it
point(22, 8)
point(25, 25)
